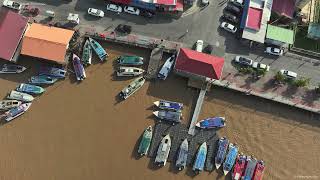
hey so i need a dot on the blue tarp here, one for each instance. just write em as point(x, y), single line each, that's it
point(244, 14)
point(143, 5)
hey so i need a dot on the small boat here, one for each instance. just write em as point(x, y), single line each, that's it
point(78, 68)
point(52, 71)
point(28, 88)
point(258, 173)
point(201, 158)
point(169, 105)
point(166, 68)
point(8, 104)
point(98, 49)
point(163, 151)
point(183, 155)
point(209, 123)
point(222, 150)
point(230, 158)
point(86, 53)
point(129, 71)
point(129, 60)
point(132, 87)
point(145, 141)
point(239, 167)
point(20, 96)
point(12, 69)
point(172, 116)
point(251, 164)
point(42, 79)
point(16, 111)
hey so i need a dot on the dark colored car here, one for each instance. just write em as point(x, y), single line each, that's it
point(147, 14)
point(232, 8)
point(122, 28)
point(208, 49)
point(229, 16)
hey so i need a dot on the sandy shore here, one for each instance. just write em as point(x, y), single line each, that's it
point(82, 131)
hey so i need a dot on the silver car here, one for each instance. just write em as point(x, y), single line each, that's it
point(114, 8)
point(228, 27)
point(131, 10)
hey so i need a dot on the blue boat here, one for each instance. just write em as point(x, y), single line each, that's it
point(169, 105)
point(31, 89)
point(42, 79)
point(98, 49)
point(52, 71)
point(183, 155)
point(201, 158)
point(78, 68)
point(230, 159)
point(171, 116)
point(222, 150)
point(251, 165)
point(209, 123)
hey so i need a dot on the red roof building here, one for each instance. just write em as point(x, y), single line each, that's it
point(284, 7)
point(12, 28)
point(199, 64)
point(254, 18)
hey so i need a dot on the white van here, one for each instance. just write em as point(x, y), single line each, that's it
point(199, 45)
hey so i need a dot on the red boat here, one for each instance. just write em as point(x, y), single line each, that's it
point(239, 167)
point(258, 172)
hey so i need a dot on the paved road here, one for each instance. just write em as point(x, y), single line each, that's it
point(203, 24)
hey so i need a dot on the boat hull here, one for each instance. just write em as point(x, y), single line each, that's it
point(200, 158)
point(163, 151)
point(230, 158)
point(171, 116)
point(28, 88)
point(133, 87)
point(78, 68)
point(222, 150)
point(15, 95)
point(12, 69)
point(239, 167)
point(183, 155)
point(145, 141)
point(166, 68)
point(251, 164)
point(86, 53)
point(17, 111)
point(169, 105)
point(210, 123)
point(98, 49)
point(129, 72)
point(52, 71)
point(8, 104)
point(130, 60)
point(42, 79)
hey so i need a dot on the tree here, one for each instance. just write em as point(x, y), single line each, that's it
point(280, 77)
point(302, 82)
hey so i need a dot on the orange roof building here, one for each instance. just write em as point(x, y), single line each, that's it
point(46, 42)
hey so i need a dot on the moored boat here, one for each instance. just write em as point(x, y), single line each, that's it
point(209, 123)
point(52, 71)
point(222, 150)
point(129, 71)
point(12, 69)
point(169, 105)
point(200, 158)
point(130, 60)
point(251, 164)
point(28, 88)
point(145, 141)
point(134, 86)
point(86, 53)
point(166, 68)
point(8, 104)
point(239, 167)
point(163, 151)
point(78, 68)
point(183, 155)
point(20, 96)
point(42, 79)
point(16, 111)
point(98, 49)
point(230, 158)
point(171, 116)
point(258, 172)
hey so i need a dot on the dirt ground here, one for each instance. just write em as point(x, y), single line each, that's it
point(82, 130)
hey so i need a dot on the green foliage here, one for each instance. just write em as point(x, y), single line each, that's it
point(245, 70)
point(261, 72)
point(280, 77)
point(302, 82)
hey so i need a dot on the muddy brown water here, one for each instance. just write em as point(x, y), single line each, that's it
point(82, 130)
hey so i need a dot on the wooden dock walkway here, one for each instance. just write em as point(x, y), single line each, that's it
point(154, 63)
point(197, 111)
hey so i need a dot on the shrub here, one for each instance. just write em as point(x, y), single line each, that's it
point(280, 77)
point(302, 82)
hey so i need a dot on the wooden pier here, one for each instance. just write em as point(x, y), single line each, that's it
point(154, 63)
point(197, 111)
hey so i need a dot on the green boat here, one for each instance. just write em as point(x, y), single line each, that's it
point(145, 141)
point(86, 53)
point(130, 60)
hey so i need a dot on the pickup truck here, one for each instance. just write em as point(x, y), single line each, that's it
point(12, 5)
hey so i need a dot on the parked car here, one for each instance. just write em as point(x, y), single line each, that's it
point(288, 74)
point(147, 14)
point(131, 10)
point(228, 27)
point(274, 51)
point(237, 2)
point(243, 60)
point(114, 8)
point(205, 2)
point(95, 12)
point(12, 4)
point(232, 8)
point(122, 28)
point(258, 65)
point(208, 49)
point(199, 45)
point(229, 16)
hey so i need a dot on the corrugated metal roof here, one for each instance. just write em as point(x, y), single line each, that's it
point(279, 34)
point(199, 63)
point(284, 7)
point(314, 31)
point(12, 27)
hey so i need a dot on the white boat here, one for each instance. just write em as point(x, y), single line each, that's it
point(8, 104)
point(166, 68)
point(133, 87)
point(12, 4)
point(17, 111)
point(20, 96)
point(12, 69)
point(163, 151)
point(129, 71)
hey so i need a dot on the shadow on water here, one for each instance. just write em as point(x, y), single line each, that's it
point(134, 153)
